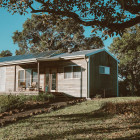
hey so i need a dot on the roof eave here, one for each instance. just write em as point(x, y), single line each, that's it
point(18, 62)
point(87, 55)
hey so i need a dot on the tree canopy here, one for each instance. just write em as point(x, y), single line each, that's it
point(5, 53)
point(127, 49)
point(47, 32)
point(108, 15)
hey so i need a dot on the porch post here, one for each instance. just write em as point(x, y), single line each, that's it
point(15, 80)
point(38, 71)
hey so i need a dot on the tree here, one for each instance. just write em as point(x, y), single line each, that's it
point(127, 49)
point(108, 15)
point(47, 32)
point(5, 53)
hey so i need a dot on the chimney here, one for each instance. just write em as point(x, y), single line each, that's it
point(69, 50)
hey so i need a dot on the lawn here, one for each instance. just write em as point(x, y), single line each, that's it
point(76, 122)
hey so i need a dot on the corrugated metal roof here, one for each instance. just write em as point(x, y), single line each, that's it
point(50, 55)
point(27, 56)
point(77, 53)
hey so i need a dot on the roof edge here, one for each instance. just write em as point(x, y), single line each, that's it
point(101, 51)
point(17, 62)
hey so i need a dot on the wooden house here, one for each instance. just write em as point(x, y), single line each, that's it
point(79, 74)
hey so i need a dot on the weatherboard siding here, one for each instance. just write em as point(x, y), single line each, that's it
point(74, 87)
point(10, 75)
point(100, 83)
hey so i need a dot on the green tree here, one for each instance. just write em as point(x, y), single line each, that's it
point(5, 53)
point(127, 49)
point(107, 15)
point(47, 32)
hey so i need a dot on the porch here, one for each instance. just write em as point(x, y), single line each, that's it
point(33, 78)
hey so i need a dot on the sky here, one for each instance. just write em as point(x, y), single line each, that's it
point(10, 23)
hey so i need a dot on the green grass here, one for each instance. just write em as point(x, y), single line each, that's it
point(76, 122)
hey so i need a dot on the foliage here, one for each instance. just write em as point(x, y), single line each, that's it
point(48, 32)
point(109, 15)
point(127, 49)
point(8, 102)
point(5, 53)
point(123, 88)
point(98, 96)
point(121, 108)
point(76, 122)
point(41, 97)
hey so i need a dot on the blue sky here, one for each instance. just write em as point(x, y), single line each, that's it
point(10, 23)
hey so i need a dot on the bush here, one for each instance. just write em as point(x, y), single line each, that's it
point(8, 102)
point(41, 97)
point(121, 108)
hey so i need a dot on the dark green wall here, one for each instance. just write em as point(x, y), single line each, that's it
point(101, 82)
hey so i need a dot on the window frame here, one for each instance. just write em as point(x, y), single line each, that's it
point(72, 71)
point(105, 67)
point(19, 76)
point(31, 76)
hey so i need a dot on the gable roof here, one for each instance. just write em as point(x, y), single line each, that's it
point(77, 54)
point(49, 56)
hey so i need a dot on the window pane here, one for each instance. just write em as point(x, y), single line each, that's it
point(35, 76)
point(28, 77)
point(101, 70)
point(21, 74)
point(53, 81)
point(21, 80)
point(67, 72)
point(76, 72)
point(107, 70)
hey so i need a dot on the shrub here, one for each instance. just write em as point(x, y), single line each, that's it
point(41, 97)
point(121, 108)
point(10, 102)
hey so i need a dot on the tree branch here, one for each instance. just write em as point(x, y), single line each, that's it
point(134, 9)
point(112, 26)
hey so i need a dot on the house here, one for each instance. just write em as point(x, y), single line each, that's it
point(79, 74)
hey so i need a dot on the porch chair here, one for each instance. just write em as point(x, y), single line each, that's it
point(22, 86)
point(34, 86)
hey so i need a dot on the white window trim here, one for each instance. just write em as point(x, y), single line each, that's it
point(104, 67)
point(72, 71)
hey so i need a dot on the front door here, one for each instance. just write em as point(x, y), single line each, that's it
point(51, 80)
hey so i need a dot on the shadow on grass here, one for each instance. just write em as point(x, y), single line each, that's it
point(93, 131)
point(132, 137)
point(74, 132)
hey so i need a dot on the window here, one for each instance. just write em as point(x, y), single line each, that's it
point(104, 70)
point(21, 78)
point(76, 72)
point(72, 72)
point(26, 77)
point(67, 72)
point(34, 75)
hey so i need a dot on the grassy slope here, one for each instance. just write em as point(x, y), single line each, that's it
point(75, 122)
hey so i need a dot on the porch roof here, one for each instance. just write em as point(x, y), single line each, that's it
point(25, 58)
